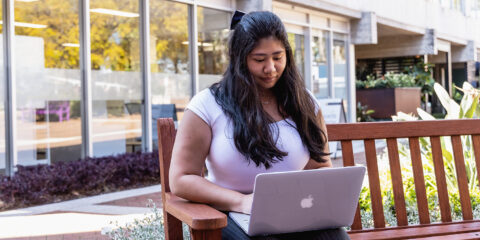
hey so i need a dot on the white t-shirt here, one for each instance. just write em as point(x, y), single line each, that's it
point(229, 168)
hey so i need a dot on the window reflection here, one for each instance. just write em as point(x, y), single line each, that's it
point(340, 65)
point(116, 88)
point(320, 65)
point(171, 81)
point(297, 42)
point(48, 82)
point(213, 30)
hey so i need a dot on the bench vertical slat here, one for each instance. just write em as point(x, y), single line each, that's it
point(166, 132)
point(373, 180)
point(397, 182)
point(476, 149)
point(440, 179)
point(462, 178)
point(347, 156)
point(419, 179)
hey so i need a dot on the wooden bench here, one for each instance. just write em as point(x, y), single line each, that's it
point(206, 222)
point(391, 131)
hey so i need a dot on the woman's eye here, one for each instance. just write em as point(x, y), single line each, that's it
point(277, 58)
point(258, 60)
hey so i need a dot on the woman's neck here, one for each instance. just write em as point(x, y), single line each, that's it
point(266, 96)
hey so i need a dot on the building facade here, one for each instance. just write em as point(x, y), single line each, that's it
point(88, 77)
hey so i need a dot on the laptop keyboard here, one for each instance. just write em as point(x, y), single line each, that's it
point(241, 219)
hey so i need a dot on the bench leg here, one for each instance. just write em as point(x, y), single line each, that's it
point(172, 227)
point(206, 234)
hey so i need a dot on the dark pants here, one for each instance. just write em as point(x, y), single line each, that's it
point(234, 232)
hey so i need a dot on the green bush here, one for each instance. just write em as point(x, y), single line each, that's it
point(389, 80)
point(149, 228)
point(363, 113)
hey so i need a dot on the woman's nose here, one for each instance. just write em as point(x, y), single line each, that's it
point(269, 66)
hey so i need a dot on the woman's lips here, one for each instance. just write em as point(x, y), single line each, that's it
point(268, 79)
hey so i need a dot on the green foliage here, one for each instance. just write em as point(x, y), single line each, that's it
point(148, 228)
point(422, 73)
point(363, 113)
point(469, 108)
point(389, 80)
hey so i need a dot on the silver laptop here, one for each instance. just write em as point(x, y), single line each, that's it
point(298, 201)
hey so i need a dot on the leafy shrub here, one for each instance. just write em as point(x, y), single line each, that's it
point(149, 227)
point(363, 113)
point(422, 73)
point(389, 80)
point(64, 180)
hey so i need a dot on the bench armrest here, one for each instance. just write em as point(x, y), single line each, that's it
point(196, 215)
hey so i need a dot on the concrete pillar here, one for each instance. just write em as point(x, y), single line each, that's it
point(429, 42)
point(351, 86)
point(364, 30)
point(448, 73)
point(464, 53)
point(471, 72)
point(253, 5)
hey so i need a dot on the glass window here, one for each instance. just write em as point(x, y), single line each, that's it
point(116, 79)
point(213, 31)
point(3, 162)
point(48, 81)
point(340, 65)
point(297, 42)
point(170, 73)
point(320, 65)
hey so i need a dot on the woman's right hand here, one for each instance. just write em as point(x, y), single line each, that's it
point(246, 204)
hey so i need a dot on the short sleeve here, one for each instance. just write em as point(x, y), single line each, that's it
point(201, 105)
point(317, 105)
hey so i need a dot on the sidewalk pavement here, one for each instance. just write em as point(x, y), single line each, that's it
point(78, 219)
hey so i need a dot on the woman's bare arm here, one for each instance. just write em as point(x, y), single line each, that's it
point(312, 164)
point(190, 150)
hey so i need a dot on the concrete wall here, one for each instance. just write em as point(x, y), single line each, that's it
point(411, 15)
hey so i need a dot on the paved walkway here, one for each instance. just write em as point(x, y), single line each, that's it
point(78, 219)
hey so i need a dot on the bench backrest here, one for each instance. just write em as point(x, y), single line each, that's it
point(413, 130)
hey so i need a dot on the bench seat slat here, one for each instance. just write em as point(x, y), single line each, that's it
point(374, 183)
point(463, 236)
point(419, 180)
point(440, 179)
point(348, 160)
point(420, 231)
point(462, 178)
point(398, 193)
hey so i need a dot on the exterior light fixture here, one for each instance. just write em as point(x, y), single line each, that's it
point(202, 44)
point(71, 45)
point(27, 25)
point(114, 12)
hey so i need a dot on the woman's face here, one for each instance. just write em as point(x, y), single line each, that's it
point(266, 62)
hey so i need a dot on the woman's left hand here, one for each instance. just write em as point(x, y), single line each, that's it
point(246, 203)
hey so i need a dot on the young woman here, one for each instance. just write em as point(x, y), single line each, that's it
point(258, 118)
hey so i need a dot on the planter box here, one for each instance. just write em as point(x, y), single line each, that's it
point(388, 101)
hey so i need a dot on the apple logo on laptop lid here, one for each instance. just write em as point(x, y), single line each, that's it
point(307, 202)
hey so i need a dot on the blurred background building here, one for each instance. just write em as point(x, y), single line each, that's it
point(88, 77)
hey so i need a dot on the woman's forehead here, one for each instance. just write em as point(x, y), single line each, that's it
point(268, 46)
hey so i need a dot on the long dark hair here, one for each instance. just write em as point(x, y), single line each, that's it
point(238, 95)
